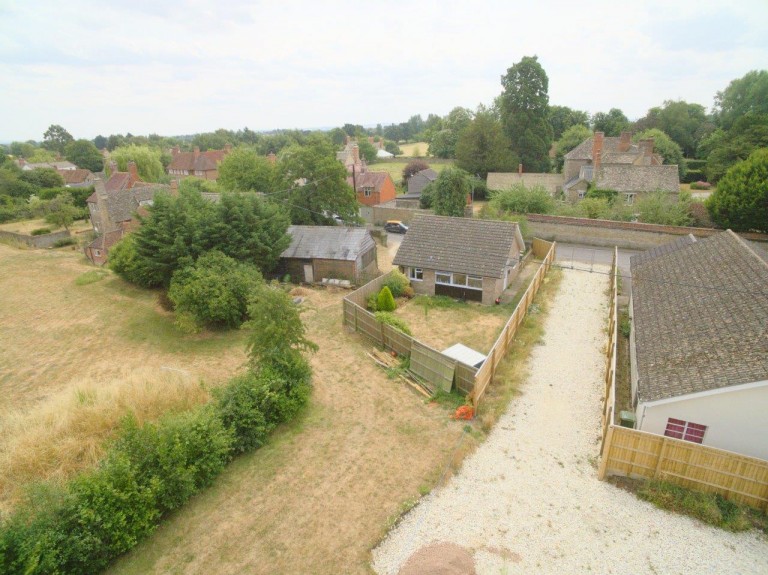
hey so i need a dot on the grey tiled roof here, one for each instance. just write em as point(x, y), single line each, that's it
point(700, 317)
point(628, 178)
point(610, 146)
point(646, 256)
point(464, 245)
point(327, 242)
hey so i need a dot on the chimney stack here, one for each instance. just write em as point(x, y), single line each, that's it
point(272, 158)
point(105, 223)
point(133, 174)
point(197, 152)
point(175, 151)
point(112, 167)
point(596, 163)
point(625, 141)
point(356, 155)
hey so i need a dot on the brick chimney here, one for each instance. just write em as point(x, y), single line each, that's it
point(596, 161)
point(597, 152)
point(625, 141)
point(356, 155)
point(112, 167)
point(272, 158)
point(105, 222)
point(520, 169)
point(133, 174)
point(175, 151)
point(647, 147)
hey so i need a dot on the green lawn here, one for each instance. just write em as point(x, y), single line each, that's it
point(395, 168)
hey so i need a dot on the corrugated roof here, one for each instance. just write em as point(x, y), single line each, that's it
point(327, 242)
point(700, 317)
point(463, 245)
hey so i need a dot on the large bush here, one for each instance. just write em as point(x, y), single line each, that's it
point(214, 291)
point(385, 301)
point(740, 201)
point(397, 282)
point(521, 200)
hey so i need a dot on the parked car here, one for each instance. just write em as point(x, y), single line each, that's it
point(395, 226)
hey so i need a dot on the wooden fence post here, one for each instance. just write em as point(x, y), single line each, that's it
point(606, 452)
point(662, 453)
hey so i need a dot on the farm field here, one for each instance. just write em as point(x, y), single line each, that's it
point(316, 499)
point(410, 150)
point(395, 168)
point(26, 226)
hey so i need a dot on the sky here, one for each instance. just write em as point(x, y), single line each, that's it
point(189, 66)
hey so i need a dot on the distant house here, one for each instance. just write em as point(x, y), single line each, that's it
point(419, 181)
point(350, 157)
point(116, 190)
point(615, 163)
point(699, 342)
point(373, 188)
point(79, 178)
point(332, 252)
point(59, 165)
point(196, 164)
point(460, 257)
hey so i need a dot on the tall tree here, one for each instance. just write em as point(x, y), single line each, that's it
point(680, 120)
point(316, 184)
point(743, 97)
point(245, 170)
point(62, 211)
point(525, 113)
point(611, 124)
point(740, 201)
point(451, 189)
point(147, 160)
point(562, 117)
point(56, 138)
point(84, 155)
point(482, 147)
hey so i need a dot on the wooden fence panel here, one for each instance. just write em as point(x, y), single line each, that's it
point(432, 366)
point(465, 377)
point(638, 454)
point(395, 340)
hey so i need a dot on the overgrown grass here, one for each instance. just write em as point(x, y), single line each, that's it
point(513, 371)
point(710, 508)
point(67, 433)
point(90, 277)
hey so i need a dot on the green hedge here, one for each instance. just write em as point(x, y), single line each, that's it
point(693, 176)
point(149, 471)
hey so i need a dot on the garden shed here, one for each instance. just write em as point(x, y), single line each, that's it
point(329, 252)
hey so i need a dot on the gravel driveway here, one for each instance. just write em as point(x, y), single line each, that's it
point(528, 500)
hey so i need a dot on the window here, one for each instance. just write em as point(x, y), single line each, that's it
point(629, 198)
point(679, 429)
point(581, 194)
point(457, 279)
point(367, 192)
point(416, 274)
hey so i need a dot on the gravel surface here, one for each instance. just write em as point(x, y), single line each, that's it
point(528, 500)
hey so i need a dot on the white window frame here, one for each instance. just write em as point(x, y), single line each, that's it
point(685, 430)
point(416, 274)
point(453, 281)
point(629, 198)
point(367, 192)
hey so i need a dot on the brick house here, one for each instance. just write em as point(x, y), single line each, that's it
point(373, 188)
point(699, 342)
point(461, 257)
point(196, 164)
point(79, 178)
point(615, 163)
point(333, 252)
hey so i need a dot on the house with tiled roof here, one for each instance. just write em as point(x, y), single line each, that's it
point(117, 189)
point(618, 164)
point(57, 165)
point(463, 258)
point(79, 178)
point(699, 342)
point(372, 188)
point(329, 252)
point(196, 164)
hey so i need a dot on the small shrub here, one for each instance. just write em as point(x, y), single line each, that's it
point(40, 231)
point(408, 292)
point(397, 282)
point(700, 185)
point(65, 242)
point(90, 277)
point(385, 301)
point(625, 325)
point(371, 304)
point(391, 319)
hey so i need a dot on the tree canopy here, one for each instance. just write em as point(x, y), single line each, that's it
point(56, 138)
point(147, 161)
point(451, 189)
point(84, 155)
point(562, 117)
point(525, 113)
point(683, 122)
point(746, 96)
point(740, 201)
point(245, 170)
point(483, 147)
point(665, 147)
point(612, 123)
point(315, 185)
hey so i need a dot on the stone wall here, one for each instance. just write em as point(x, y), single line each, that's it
point(43, 241)
point(627, 235)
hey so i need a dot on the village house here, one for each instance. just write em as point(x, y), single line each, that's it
point(699, 342)
point(462, 258)
point(79, 178)
point(615, 163)
point(58, 165)
point(373, 188)
point(197, 164)
point(329, 252)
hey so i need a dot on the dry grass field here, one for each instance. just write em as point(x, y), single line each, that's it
point(414, 150)
point(395, 168)
point(26, 226)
